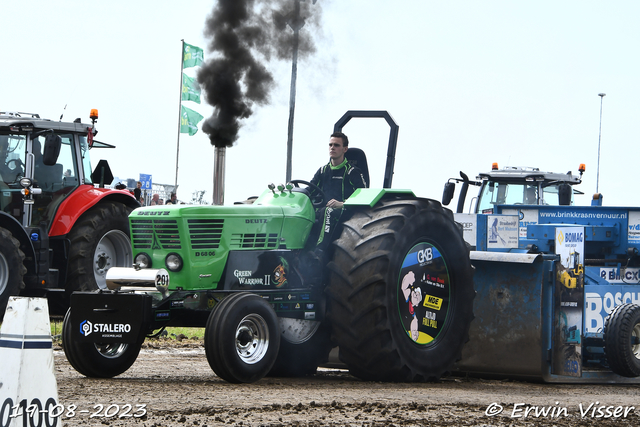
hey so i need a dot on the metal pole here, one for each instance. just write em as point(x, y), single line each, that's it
point(179, 110)
point(296, 24)
point(601, 95)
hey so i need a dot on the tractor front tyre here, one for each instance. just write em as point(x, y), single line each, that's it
point(401, 291)
point(97, 360)
point(241, 338)
point(12, 269)
point(99, 240)
point(622, 340)
point(304, 345)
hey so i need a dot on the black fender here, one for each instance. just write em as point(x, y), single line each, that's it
point(125, 199)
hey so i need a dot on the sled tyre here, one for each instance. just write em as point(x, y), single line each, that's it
point(97, 360)
point(622, 340)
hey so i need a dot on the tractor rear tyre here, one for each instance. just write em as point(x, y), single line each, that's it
point(622, 340)
point(99, 240)
point(304, 345)
point(12, 269)
point(241, 338)
point(97, 360)
point(401, 291)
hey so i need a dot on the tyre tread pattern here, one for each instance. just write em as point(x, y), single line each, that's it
point(373, 244)
point(85, 358)
point(15, 276)
point(219, 338)
point(618, 328)
point(101, 218)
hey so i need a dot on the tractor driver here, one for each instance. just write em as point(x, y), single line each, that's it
point(338, 179)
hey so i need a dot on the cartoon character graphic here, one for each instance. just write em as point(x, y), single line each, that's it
point(413, 296)
point(279, 275)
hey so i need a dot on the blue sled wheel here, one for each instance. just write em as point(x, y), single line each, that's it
point(622, 340)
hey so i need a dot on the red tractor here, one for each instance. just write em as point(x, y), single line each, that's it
point(60, 228)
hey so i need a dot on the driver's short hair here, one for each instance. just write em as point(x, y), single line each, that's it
point(345, 140)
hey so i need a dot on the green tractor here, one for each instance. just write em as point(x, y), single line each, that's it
point(396, 296)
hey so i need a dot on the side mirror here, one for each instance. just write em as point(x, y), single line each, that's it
point(564, 194)
point(447, 194)
point(52, 144)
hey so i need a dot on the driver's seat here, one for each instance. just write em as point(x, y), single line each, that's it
point(357, 158)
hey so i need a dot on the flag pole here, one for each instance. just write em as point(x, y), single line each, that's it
point(175, 188)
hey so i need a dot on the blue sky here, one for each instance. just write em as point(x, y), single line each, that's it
point(468, 82)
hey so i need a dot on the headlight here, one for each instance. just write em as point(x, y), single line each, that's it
point(143, 260)
point(173, 262)
point(25, 182)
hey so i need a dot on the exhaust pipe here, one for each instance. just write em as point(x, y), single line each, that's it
point(218, 175)
point(147, 277)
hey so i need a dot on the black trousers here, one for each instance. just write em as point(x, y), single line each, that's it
point(327, 220)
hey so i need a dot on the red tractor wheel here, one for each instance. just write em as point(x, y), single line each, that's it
point(99, 240)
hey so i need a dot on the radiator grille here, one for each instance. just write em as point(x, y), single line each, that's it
point(155, 234)
point(205, 233)
point(254, 241)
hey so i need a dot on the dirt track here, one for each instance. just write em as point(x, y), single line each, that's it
point(178, 388)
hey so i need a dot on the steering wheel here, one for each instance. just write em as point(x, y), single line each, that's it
point(17, 162)
point(319, 200)
point(16, 169)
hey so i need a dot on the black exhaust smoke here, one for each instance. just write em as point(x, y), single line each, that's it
point(245, 35)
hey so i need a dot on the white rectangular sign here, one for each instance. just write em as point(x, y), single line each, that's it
point(570, 246)
point(469, 226)
point(634, 227)
point(502, 231)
